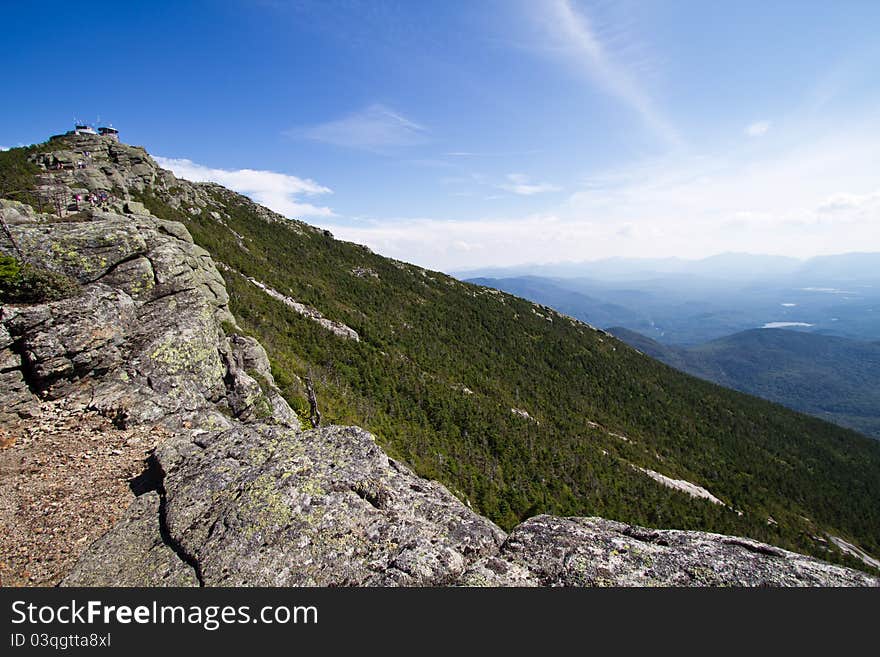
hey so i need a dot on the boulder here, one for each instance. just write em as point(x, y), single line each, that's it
point(268, 506)
point(551, 551)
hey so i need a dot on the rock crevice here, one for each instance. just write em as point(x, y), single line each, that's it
point(165, 533)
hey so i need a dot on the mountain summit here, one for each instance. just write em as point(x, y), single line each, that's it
point(136, 301)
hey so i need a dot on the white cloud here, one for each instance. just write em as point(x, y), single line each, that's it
point(852, 204)
point(520, 184)
point(454, 244)
point(373, 128)
point(493, 154)
point(818, 173)
point(4, 148)
point(277, 191)
point(571, 34)
point(757, 129)
point(451, 243)
point(819, 197)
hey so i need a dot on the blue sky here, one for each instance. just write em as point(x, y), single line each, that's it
point(465, 134)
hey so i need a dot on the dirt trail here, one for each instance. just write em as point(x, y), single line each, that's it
point(64, 480)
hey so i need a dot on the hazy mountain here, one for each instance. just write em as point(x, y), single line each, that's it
point(833, 378)
point(689, 309)
point(857, 267)
point(742, 267)
point(577, 305)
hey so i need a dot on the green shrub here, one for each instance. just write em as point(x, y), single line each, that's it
point(18, 175)
point(26, 283)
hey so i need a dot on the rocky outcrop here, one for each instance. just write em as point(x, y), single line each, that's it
point(143, 341)
point(16, 399)
point(550, 551)
point(853, 551)
point(681, 484)
point(95, 164)
point(238, 493)
point(267, 506)
point(337, 328)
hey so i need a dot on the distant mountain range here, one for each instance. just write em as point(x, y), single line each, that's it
point(834, 378)
point(837, 295)
point(726, 266)
point(576, 304)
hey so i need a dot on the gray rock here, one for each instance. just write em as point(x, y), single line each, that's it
point(84, 251)
point(16, 399)
point(13, 212)
point(269, 506)
point(134, 207)
point(337, 328)
point(262, 505)
point(71, 342)
point(551, 551)
point(144, 339)
point(135, 276)
point(141, 557)
point(253, 395)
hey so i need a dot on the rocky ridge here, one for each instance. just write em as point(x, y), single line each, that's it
point(337, 328)
point(237, 493)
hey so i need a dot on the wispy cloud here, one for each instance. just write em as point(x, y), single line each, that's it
point(518, 183)
point(852, 206)
point(277, 191)
point(374, 128)
point(572, 34)
point(814, 198)
point(757, 128)
point(492, 154)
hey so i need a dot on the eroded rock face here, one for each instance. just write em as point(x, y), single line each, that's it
point(238, 494)
point(551, 551)
point(268, 506)
point(143, 342)
point(17, 401)
point(96, 164)
point(70, 340)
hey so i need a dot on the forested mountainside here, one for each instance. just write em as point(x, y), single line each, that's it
point(518, 409)
point(834, 378)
